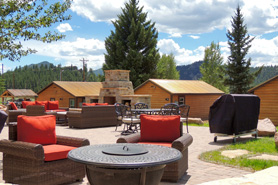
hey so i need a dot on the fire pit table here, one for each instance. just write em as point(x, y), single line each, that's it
point(124, 163)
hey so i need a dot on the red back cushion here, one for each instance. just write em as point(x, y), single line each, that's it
point(14, 107)
point(157, 128)
point(45, 103)
point(88, 104)
point(101, 103)
point(36, 129)
point(25, 103)
point(52, 105)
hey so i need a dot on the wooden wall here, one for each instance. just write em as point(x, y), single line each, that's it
point(159, 95)
point(268, 93)
point(199, 104)
point(54, 91)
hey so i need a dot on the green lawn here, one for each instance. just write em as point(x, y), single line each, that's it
point(255, 147)
point(265, 145)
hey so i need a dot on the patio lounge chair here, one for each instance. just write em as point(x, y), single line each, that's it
point(166, 131)
point(40, 157)
point(12, 114)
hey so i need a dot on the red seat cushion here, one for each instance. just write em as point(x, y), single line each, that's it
point(56, 152)
point(36, 129)
point(157, 143)
point(14, 107)
point(158, 128)
point(53, 105)
point(25, 103)
point(45, 103)
point(88, 104)
point(101, 103)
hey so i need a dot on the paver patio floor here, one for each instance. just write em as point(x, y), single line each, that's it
point(198, 172)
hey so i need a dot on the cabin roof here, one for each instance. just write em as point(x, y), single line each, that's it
point(78, 89)
point(184, 86)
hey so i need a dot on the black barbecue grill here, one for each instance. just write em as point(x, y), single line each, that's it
point(234, 114)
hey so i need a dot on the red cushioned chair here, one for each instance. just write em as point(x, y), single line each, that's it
point(165, 130)
point(35, 155)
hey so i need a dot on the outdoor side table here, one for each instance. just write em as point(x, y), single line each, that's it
point(124, 163)
point(63, 116)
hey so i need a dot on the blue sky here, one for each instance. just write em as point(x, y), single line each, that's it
point(185, 28)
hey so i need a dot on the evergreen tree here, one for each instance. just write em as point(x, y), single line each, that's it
point(166, 68)
point(239, 78)
point(212, 68)
point(132, 46)
point(2, 85)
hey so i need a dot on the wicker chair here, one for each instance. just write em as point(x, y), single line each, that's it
point(35, 110)
point(173, 171)
point(93, 116)
point(12, 114)
point(23, 162)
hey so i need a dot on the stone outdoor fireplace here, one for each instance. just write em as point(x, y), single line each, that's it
point(118, 89)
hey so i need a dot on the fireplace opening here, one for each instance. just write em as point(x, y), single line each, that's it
point(93, 100)
point(110, 100)
point(126, 102)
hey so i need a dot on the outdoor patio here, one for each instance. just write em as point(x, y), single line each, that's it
point(198, 172)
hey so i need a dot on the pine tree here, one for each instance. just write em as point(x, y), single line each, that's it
point(132, 46)
point(239, 77)
point(212, 68)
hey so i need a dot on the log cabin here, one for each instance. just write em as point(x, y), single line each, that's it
point(69, 94)
point(268, 93)
point(199, 95)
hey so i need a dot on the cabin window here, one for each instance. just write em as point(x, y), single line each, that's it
point(71, 103)
point(181, 100)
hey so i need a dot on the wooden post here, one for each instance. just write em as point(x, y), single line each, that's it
point(83, 60)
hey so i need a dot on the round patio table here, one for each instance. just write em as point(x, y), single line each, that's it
point(124, 163)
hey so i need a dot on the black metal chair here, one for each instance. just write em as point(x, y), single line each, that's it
point(170, 109)
point(184, 112)
point(130, 120)
point(141, 106)
point(118, 109)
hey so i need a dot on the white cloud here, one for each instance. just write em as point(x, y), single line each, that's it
point(186, 16)
point(64, 27)
point(182, 56)
point(72, 52)
point(175, 35)
point(260, 16)
point(194, 36)
point(97, 11)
